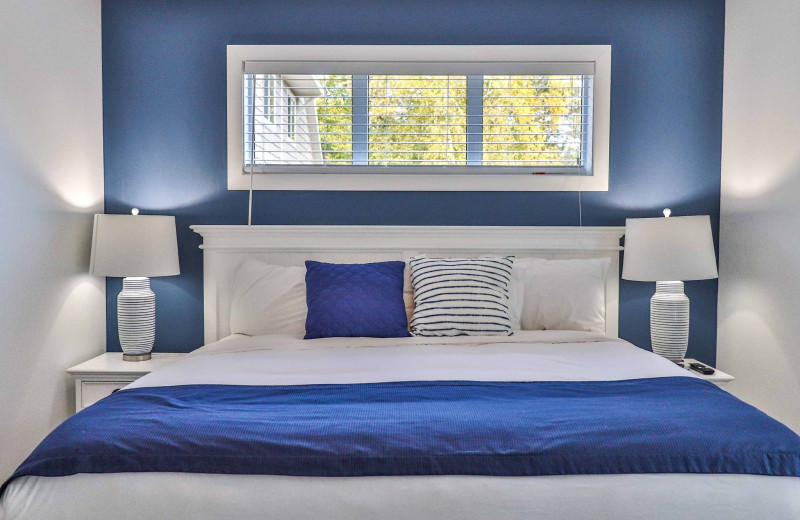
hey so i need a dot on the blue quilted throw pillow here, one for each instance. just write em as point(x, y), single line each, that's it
point(350, 300)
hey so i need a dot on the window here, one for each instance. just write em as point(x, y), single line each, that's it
point(275, 130)
point(528, 122)
point(429, 121)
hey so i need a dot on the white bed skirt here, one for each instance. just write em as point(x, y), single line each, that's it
point(182, 496)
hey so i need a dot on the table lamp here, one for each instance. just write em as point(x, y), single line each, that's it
point(135, 247)
point(669, 251)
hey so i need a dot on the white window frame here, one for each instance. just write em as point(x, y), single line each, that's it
point(291, 117)
point(548, 56)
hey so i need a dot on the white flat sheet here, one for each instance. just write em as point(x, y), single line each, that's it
point(532, 356)
point(525, 356)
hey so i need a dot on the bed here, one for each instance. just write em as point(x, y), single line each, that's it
point(540, 424)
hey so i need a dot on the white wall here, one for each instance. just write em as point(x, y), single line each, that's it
point(52, 314)
point(759, 291)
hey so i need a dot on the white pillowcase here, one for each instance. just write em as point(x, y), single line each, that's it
point(544, 294)
point(559, 294)
point(269, 299)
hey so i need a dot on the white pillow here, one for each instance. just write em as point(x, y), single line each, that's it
point(559, 294)
point(269, 299)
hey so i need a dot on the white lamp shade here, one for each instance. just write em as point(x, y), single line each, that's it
point(669, 249)
point(134, 245)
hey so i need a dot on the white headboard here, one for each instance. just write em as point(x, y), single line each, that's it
point(226, 247)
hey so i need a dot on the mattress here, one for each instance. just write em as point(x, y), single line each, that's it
point(283, 360)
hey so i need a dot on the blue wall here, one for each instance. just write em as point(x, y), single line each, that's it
point(165, 124)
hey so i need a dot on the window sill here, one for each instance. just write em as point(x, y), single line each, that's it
point(419, 182)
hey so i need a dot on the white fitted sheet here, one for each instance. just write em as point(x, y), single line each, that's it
point(526, 356)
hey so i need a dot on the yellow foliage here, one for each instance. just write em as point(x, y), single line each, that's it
point(422, 120)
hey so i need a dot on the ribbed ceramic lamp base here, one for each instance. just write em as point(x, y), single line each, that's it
point(136, 316)
point(669, 320)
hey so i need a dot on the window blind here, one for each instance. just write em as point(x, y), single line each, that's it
point(535, 122)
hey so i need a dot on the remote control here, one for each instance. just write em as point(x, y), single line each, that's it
point(703, 369)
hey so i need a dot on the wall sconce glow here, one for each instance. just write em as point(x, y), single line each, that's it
point(751, 186)
point(80, 199)
point(167, 195)
point(77, 185)
point(764, 175)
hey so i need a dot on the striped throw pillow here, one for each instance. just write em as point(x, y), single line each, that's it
point(461, 296)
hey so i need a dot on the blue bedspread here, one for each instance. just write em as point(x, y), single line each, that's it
point(662, 425)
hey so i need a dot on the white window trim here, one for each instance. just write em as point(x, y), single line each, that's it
point(600, 55)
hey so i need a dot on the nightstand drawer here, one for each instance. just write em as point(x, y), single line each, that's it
point(101, 376)
point(93, 391)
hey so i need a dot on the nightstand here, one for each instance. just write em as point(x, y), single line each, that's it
point(719, 377)
point(102, 376)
